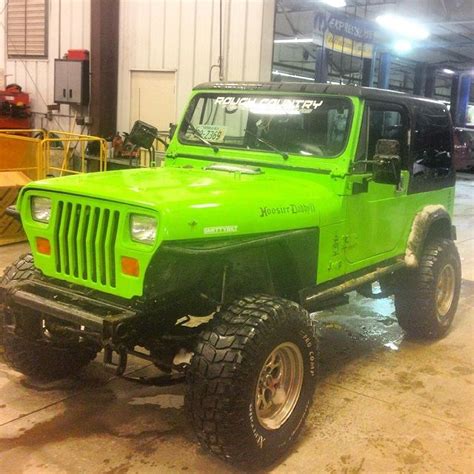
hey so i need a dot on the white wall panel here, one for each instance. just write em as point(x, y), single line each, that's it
point(171, 34)
point(187, 40)
point(156, 34)
point(203, 40)
point(236, 40)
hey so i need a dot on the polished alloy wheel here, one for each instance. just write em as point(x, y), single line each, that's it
point(445, 290)
point(279, 386)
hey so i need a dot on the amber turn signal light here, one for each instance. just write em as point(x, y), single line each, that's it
point(130, 266)
point(43, 246)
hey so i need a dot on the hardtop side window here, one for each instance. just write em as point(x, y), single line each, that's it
point(431, 142)
point(431, 149)
point(383, 121)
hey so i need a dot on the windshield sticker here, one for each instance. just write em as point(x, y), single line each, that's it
point(223, 229)
point(213, 133)
point(290, 209)
point(270, 104)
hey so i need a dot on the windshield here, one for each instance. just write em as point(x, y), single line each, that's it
point(301, 125)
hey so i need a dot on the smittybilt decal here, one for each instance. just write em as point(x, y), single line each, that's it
point(222, 229)
point(290, 209)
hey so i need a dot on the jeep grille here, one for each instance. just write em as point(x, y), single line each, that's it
point(84, 242)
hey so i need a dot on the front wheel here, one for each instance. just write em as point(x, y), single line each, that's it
point(30, 345)
point(427, 297)
point(252, 379)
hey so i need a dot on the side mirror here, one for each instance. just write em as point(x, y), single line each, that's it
point(387, 170)
point(387, 162)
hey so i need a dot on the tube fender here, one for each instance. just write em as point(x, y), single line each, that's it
point(419, 231)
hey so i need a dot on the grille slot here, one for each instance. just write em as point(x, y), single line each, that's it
point(84, 242)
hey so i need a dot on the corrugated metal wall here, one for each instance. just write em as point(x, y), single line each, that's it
point(179, 35)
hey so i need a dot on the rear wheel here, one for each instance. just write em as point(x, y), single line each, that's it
point(252, 380)
point(427, 297)
point(32, 345)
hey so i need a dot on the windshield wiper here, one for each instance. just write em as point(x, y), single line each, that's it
point(197, 134)
point(268, 144)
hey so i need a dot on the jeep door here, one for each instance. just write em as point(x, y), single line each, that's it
point(376, 211)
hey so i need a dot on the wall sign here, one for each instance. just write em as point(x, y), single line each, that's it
point(345, 34)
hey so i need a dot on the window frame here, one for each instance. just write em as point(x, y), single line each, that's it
point(385, 106)
point(14, 55)
point(193, 103)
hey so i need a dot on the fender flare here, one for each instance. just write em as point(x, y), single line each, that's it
point(421, 226)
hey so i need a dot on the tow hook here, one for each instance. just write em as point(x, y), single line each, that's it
point(121, 364)
point(177, 370)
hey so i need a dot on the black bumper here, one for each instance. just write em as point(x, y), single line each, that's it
point(103, 318)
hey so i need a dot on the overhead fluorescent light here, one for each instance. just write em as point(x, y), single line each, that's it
point(402, 46)
point(294, 40)
point(334, 3)
point(403, 27)
point(447, 71)
point(296, 76)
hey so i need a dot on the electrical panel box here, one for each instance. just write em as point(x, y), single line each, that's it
point(71, 82)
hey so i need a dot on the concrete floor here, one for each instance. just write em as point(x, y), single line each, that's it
point(384, 404)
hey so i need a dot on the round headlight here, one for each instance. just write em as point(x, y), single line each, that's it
point(143, 229)
point(41, 209)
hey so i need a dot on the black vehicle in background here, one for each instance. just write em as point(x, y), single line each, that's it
point(463, 148)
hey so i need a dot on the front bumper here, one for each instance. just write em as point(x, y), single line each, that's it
point(106, 320)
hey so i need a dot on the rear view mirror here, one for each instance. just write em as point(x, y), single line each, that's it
point(387, 162)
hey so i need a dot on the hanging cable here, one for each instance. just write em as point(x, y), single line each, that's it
point(220, 60)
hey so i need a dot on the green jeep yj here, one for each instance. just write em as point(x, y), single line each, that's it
point(275, 200)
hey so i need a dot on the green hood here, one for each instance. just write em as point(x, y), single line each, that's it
point(199, 202)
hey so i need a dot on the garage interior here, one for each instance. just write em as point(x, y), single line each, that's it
point(384, 402)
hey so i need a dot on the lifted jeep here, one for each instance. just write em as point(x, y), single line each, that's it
point(275, 200)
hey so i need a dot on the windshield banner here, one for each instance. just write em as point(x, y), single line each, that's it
point(269, 104)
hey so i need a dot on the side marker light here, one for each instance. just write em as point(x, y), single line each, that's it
point(43, 246)
point(130, 266)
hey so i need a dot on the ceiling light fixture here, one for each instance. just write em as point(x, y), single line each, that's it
point(447, 71)
point(293, 40)
point(402, 46)
point(334, 3)
point(404, 27)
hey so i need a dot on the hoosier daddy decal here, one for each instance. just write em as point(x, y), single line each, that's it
point(288, 104)
point(267, 211)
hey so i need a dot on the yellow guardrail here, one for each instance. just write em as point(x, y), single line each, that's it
point(43, 153)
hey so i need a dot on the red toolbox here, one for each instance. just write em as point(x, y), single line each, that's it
point(78, 54)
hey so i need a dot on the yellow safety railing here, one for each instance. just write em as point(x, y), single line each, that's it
point(76, 140)
point(35, 152)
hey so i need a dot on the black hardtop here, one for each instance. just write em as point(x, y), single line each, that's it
point(371, 93)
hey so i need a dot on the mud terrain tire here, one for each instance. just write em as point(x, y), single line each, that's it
point(427, 297)
point(22, 269)
point(257, 350)
point(25, 348)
